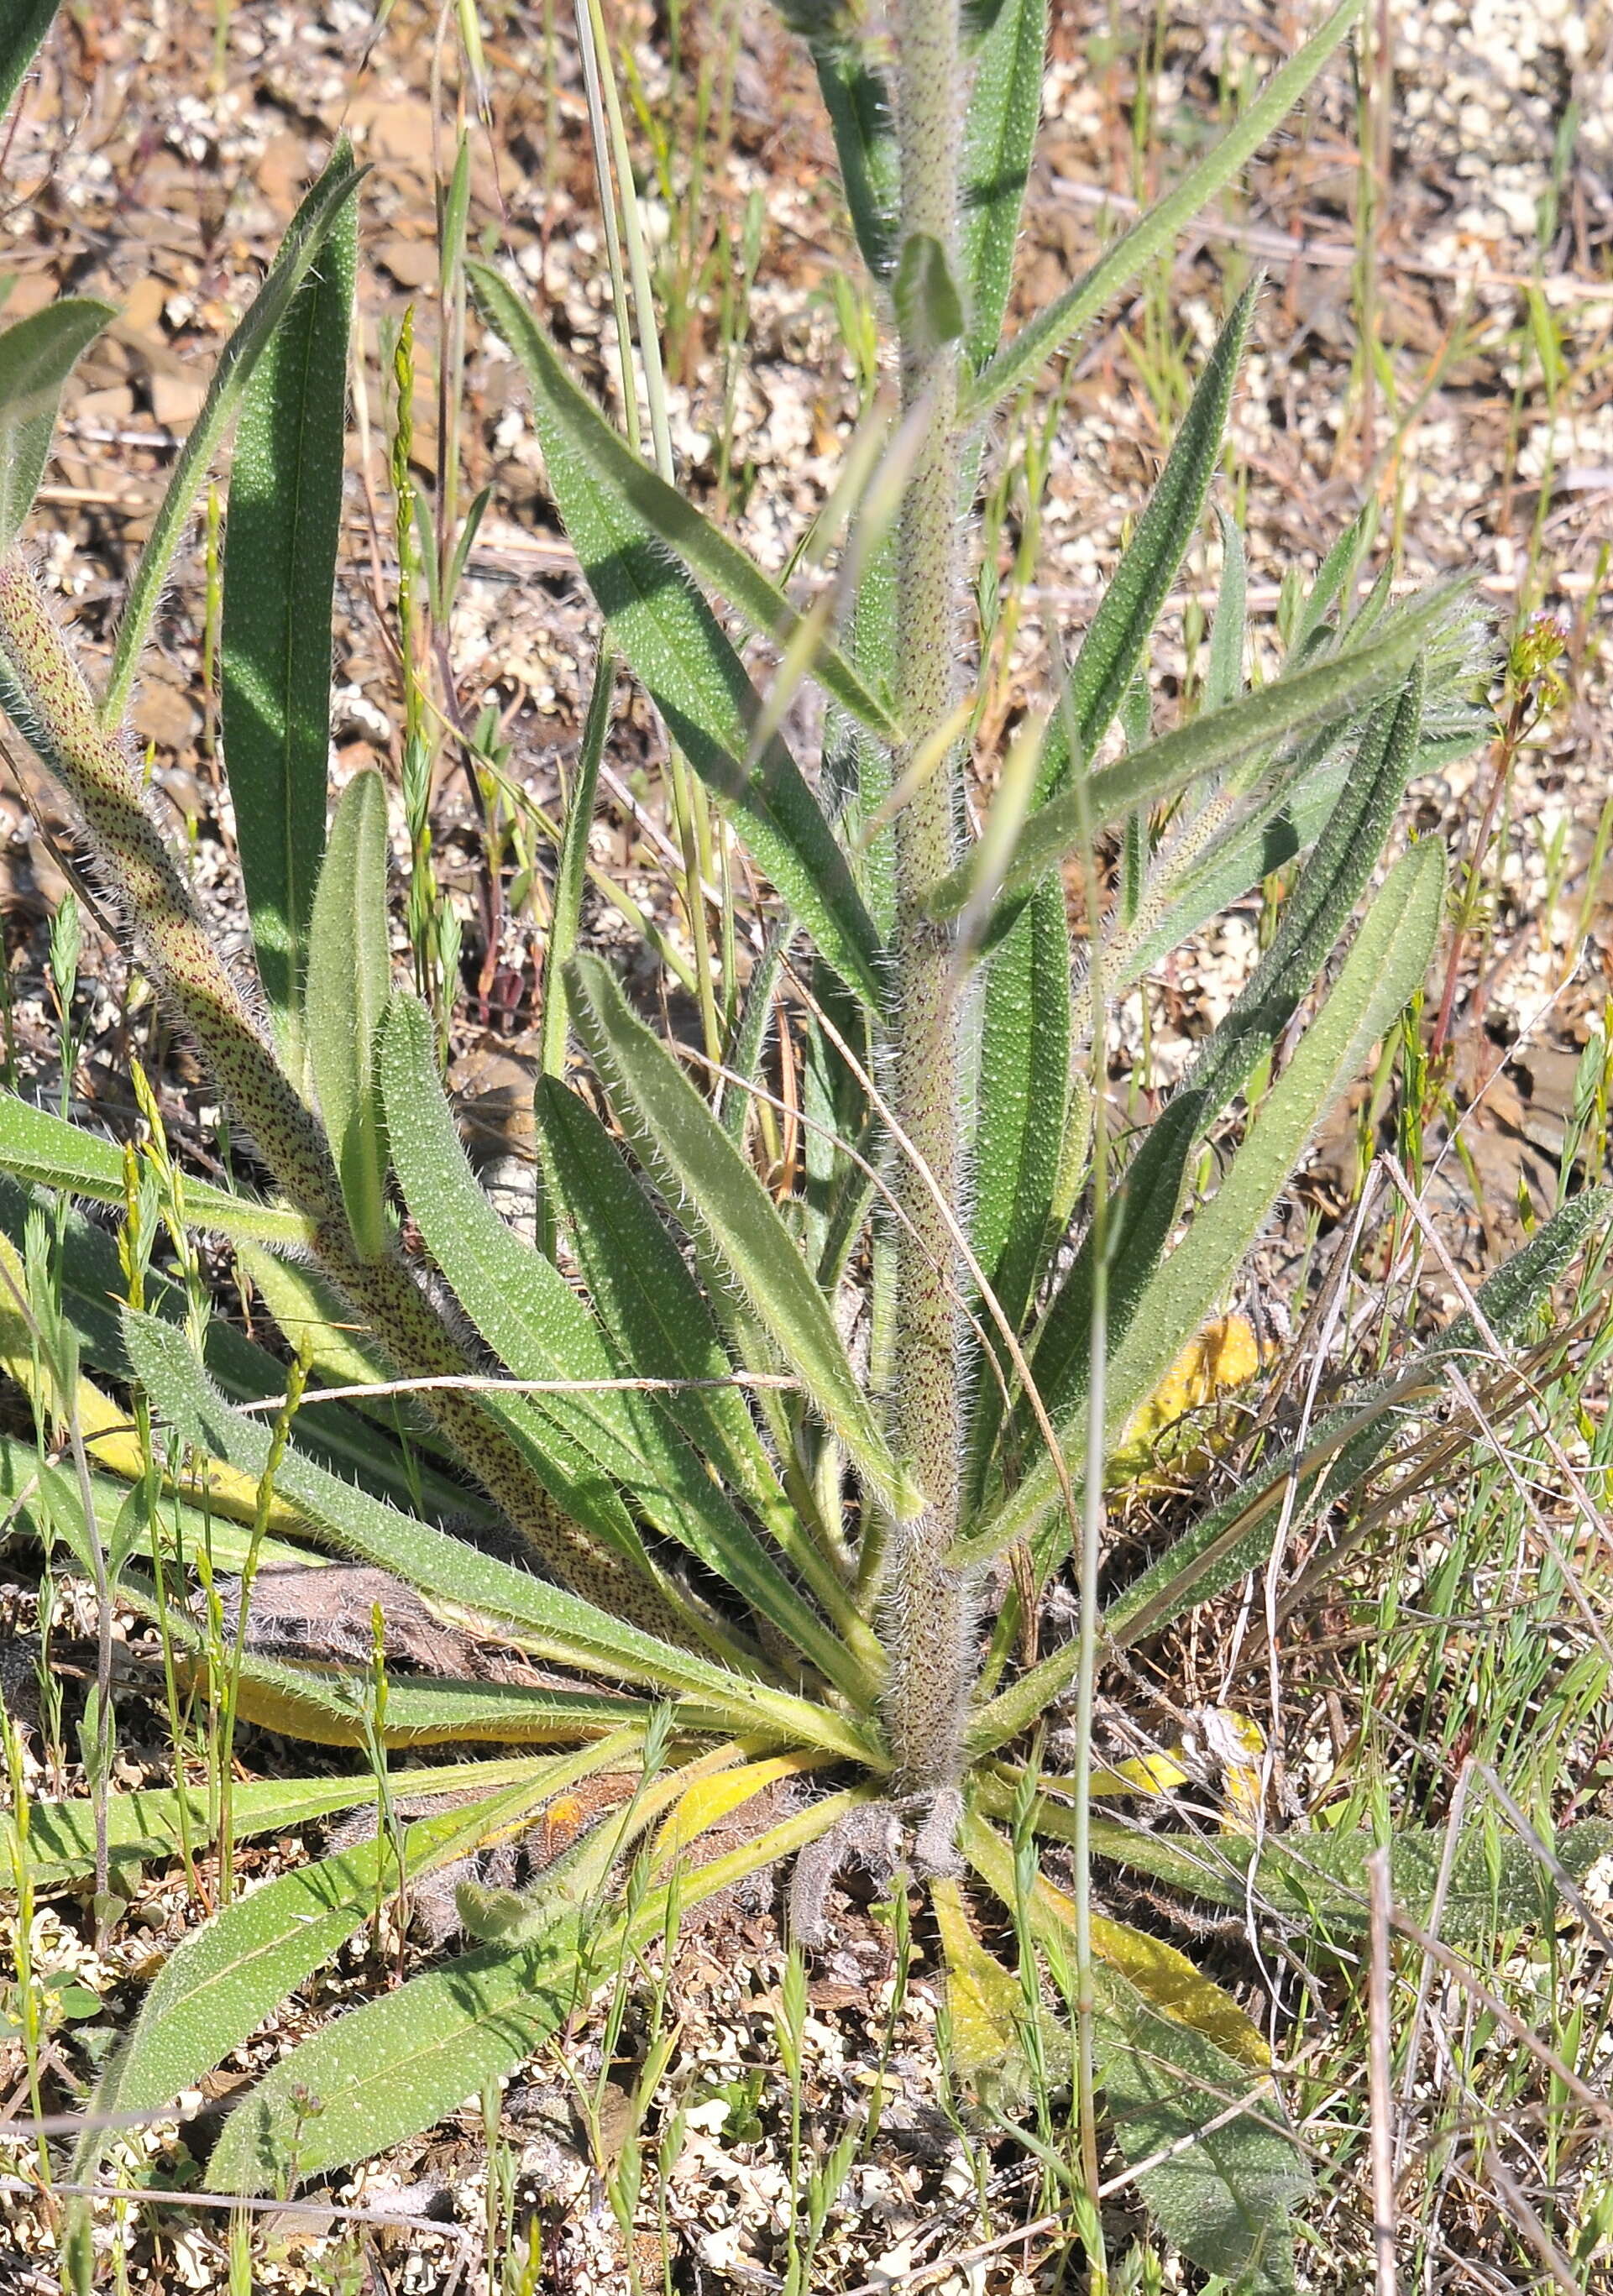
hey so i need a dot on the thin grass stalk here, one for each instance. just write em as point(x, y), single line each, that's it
point(690, 815)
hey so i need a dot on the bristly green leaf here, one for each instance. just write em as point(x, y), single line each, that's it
point(1229, 633)
point(36, 356)
point(350, 978)
point(447, 1569)
point(714, 1193)
point(228, 1975)
point(1004, 108)
point(1024, 354)
point(306, 235)
point(1386, 965)
point(1329, 691)
point(1118, 638)
point(525, 1309)
point(563, 410)
point(36, 1145)
point(672, 642)
point(395, 2065)
point(1148, 1199)
point(658, 1325)
point(857, 98)
point(26, 23)
point(143, 1825)
point(1224, 2194)
point(929, 311)
point(279, 574)
point(1021, 1100)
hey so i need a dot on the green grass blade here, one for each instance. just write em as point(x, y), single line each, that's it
point(350, 978)
point(1005, 109)
point(1386, 965)
point(665, 516)
point(306, 235)
point(279, 575)
point(695, 1168)
point(673, 643)
point(571, 869)
point(37, 1146)
point(1292, 705)
point(1021, 358)
point(36, 356)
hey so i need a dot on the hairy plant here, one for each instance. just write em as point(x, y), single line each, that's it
point(721, 1548)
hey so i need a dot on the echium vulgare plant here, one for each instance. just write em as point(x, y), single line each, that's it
point(650, 1512)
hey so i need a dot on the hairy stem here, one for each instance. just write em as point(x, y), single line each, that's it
point(43, 690)
point(926, 1602)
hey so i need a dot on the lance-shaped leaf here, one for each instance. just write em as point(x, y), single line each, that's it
point(1024, 354)
point(1114, 644)
point(1386, 965)
point(1005, 106)
point(397, 2064)
point(659, 1325)
point(227, 1976)
point(1495, 1883)
point(703, 1176)
point(306, 235)
point(36, 1145)
point(857, 98)
point(279, 572)
point(564, 411)
point(1184, 2073)
point(1315, 915)
point(394, 2066)
point(350, 978)
point(143, 1825)
point(448, 1570)
point(1022, 1098)
point(1226, 2188)
point(525, 1309)
point(1290, 706)
point(36, 356)
point(27, 22)
point(672, 642)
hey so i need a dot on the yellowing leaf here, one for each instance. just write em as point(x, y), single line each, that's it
point(710, 1799)
point(1169, 1981)
point(1224, 1355)
point(983, 1999)
point(109, 1438)
point(1147, 1774)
